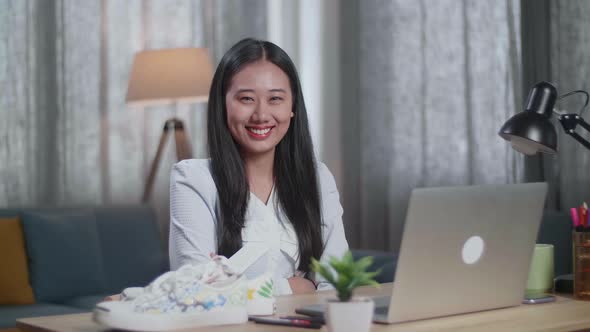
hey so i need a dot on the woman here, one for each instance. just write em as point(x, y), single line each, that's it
point(262, 184)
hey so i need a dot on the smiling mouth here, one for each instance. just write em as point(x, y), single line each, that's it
point(259, 132)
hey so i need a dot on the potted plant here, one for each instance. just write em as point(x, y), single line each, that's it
point(348, 313)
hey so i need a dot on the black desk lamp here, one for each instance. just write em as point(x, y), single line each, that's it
point(531, 131)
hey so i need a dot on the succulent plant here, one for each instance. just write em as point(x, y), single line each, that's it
point(346, 274)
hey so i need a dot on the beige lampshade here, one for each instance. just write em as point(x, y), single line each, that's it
point(169, 75)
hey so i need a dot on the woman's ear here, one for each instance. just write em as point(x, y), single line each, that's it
point(292, 114)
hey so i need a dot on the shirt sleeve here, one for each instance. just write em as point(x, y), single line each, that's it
point(334, 238)
point(192, 213)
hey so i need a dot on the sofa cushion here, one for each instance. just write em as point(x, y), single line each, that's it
point(387, 273)
point(14, 275)
point(9, 213)
point(64, 254)
point(131, 247)
point(10, 313)
point(384, 260)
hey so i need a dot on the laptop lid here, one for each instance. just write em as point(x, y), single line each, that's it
point(465, 249)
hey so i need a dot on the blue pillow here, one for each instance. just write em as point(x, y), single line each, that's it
point(64, 254)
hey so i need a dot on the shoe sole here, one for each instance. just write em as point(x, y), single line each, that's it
point(115, 315)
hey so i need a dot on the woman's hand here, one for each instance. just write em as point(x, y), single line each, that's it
point(301, 285)
point(115, 297)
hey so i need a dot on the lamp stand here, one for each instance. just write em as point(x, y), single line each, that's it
point(569, 123)
point(183, 151)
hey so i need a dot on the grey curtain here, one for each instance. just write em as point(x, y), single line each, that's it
point(66, 136)
point(556, 48)
point(434, 81)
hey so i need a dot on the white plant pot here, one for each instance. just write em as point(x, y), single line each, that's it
point(355, 315)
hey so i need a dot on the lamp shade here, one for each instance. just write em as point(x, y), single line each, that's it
point(169, 75)
point(531, 131)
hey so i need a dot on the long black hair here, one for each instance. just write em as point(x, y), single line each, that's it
point(296, 183)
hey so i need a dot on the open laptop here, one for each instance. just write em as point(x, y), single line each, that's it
point(464, 249)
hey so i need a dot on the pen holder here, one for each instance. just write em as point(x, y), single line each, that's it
point(581, 246)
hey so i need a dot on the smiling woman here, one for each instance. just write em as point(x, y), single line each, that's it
point(262, 185)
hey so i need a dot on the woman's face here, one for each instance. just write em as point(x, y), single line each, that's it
point(259, 106)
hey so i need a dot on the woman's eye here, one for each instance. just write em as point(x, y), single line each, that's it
point(246, 99)
point(276, 99)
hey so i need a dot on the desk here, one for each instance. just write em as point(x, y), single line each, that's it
point(563, 315)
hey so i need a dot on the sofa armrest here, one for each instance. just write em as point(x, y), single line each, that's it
point(556, 230)
point(384, 260)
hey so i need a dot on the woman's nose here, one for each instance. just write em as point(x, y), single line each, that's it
point(261, 113)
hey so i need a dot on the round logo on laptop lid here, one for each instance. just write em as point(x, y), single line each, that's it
point(472, 250)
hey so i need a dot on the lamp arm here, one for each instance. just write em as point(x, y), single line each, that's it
point(569, 122)
point(583, 123)
point(580, 139)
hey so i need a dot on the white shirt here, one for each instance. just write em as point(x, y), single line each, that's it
point(193, 218)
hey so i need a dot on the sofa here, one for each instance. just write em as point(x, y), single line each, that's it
point(77, 256)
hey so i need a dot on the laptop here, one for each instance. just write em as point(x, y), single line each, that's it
point(464, 249)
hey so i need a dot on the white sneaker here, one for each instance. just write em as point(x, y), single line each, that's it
point(192, 296)
point(261, 301)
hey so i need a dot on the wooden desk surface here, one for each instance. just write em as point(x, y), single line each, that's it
point(563, 315)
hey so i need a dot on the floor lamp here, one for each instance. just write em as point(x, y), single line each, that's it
point(169, 76)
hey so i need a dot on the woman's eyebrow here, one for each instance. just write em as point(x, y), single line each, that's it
point(245, 90)
point(252, 90)
point(278, 90)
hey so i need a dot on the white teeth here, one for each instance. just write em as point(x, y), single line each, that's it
point(259, 131)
